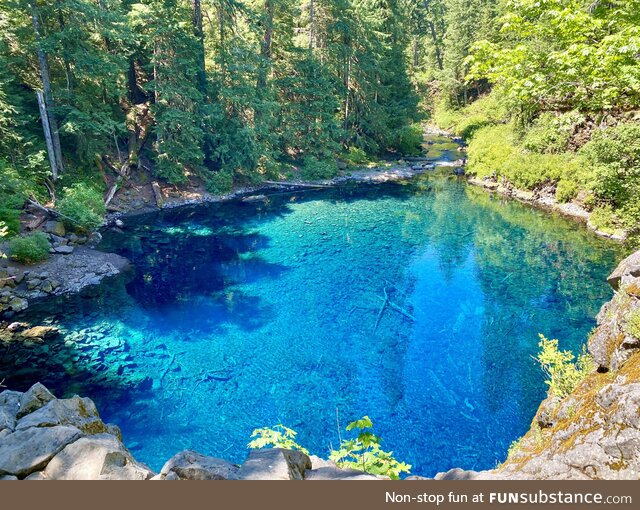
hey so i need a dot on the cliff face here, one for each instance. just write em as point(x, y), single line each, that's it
point(594, 432)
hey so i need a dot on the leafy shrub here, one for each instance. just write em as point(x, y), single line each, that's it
point(550, 133)
point(83, 206)
point(632, 324)
point(315, 170)
point(277, 436)
point(493, 152)
point(604, 219)
point(486, 111)
point(356, 156)
point(30, 249)
point(566, 190)
point(563, 373)
point(219, 182)
point(613, 155)
point(409, 140)
point(11, 197)
point(364, 453)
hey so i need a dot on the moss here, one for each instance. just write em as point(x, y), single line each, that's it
point(633, 289)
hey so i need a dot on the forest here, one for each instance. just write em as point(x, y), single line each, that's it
point(96, 94)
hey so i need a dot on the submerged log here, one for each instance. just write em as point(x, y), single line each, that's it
point(298, 184)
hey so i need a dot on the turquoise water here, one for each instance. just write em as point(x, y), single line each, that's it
point(247, 314)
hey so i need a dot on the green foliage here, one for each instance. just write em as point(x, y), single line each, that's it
point(355, 156)
point(631, 324)
point(30, 249)
point(494, 153)
point(561, 54)
point(315, 170)
point(562, 371)
point(550, 133)
point(84, 206)
point(277, 436)
point(409, 140)
point(219, 182)
point(604, 219)
point(486, 111)
point(613, 155)
point(365, 453)
point(566, 190)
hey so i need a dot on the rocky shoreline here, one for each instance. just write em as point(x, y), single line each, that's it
point(45, 438)
point(545, 199)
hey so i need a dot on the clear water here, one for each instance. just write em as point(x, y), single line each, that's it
point(248, 314)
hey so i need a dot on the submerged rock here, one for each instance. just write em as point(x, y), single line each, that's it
point(40, 332)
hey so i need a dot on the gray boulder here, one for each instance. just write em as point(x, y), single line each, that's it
point(628, 267)
point(274, 464)
point(64, 249)
point(98, 457)
point(33, 399)
point(9, 406)
point(26, 451)
point(54, 227)
point(190, 465)
point(78, 412)
point(334, 473)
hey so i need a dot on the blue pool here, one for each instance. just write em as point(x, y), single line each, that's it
point(251, 313)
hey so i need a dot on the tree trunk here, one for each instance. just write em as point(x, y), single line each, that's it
point(265, 46)
point(199, 33)
point(47, 134)
point(46, 87)
point(312, 25)
point(434, 35)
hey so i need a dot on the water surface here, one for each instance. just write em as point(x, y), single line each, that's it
point(247, 314)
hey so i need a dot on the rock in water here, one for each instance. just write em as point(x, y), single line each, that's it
point(274, 464)
point(40, 332)
point(98, 457)
point(190, 465)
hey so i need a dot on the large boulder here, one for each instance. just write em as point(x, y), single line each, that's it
point(33, 399)
point(9, 406)
point(190, 465)
point(26, 451)
point(98, 457)
point(274, 464)
point(628, 268)
point(54, 227)
point(335, 473)
point(78, 412)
